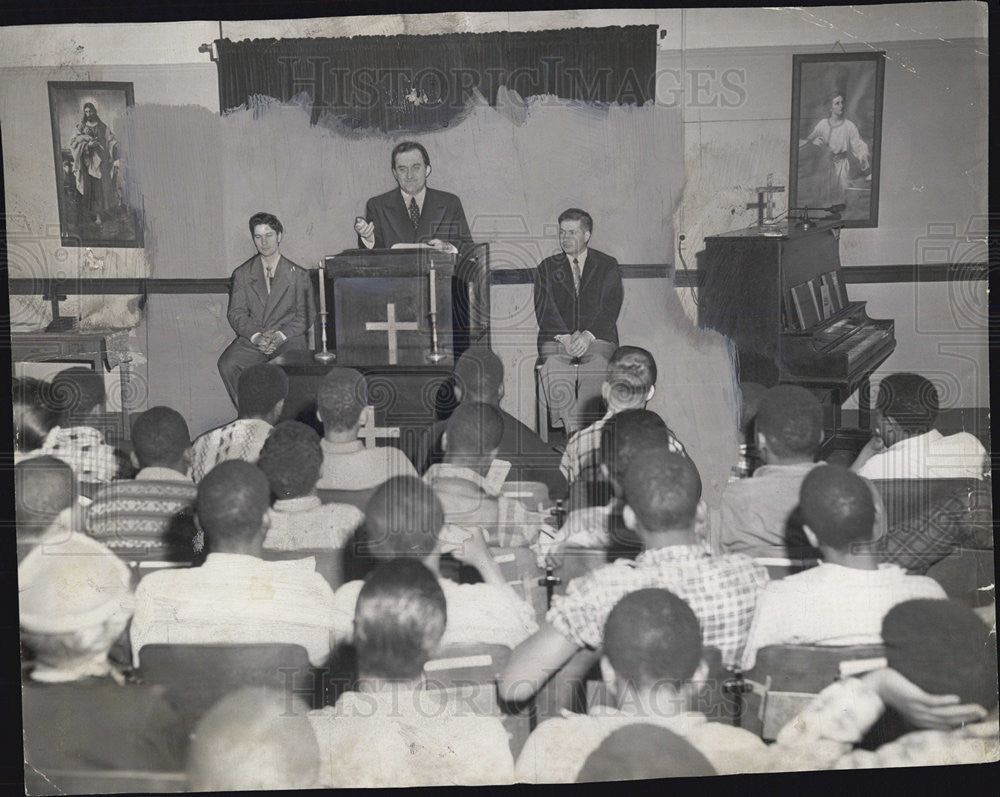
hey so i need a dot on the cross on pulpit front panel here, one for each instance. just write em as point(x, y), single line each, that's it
point(387, 319)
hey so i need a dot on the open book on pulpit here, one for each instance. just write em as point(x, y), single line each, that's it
point(398, 306)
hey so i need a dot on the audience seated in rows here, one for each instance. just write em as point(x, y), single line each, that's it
point(45, 502)
point(652, 664)
point(404, 518)
point(291, 460)
point(261, 393)
point(152, 515)
point(347, 464)
point(907, 446)
point(33, 418)
point(75, 602)
point(235, 596)
point(623, 437)
point(254, 739)
point(643, 752)
point(629, 384)
point(470, 479)
point(479, 377)
point(77, 396)
point(393, 730)
point(662, 504)
point(757, 515)
point(841, 601)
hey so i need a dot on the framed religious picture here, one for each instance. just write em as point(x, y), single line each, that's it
point(97, 203)
point(836, 136)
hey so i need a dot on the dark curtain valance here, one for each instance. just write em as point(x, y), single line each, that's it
point(423, 82)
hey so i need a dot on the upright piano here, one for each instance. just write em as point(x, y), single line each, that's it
point(781, 298)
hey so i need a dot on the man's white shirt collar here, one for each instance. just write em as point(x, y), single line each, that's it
point(580, 257)
point(419, 197)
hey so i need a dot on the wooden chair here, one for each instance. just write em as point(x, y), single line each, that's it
point(785, 678)
point(197, 676)
point(358, 498)
point(100, 781)
point(329, 561)
point(779, 567)
point(534, 495)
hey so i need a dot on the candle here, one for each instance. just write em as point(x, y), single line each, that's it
point(433, 297)
point(322, 291)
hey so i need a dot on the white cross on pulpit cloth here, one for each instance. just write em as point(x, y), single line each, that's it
point(392, 326)
point(369, 432)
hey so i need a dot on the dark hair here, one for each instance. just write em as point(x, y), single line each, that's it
point(43, 487)
point(479, 374)
point(642, 751)
point(74, 392)
point(83, 113)
point(631, 373)
point(33, 418)
point(943, 647)
point(160, 435)
point(232, 500)
point(626, 433)
point(652, 636)
point(838, 506)
point(291, 459)
point(582, 216)
point(403, 517)
point(259, 389)
point(910, 400)
point(341, 397)
point(399, 620)
point(406, 146)
point(266, 218)
point(474, 429)
point(791, 418)
point(663, 489)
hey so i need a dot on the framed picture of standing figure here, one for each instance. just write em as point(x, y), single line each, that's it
point(98, 198)
point(836, 135)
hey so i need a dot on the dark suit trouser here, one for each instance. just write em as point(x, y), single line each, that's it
point(241, 354)
point(572, 390)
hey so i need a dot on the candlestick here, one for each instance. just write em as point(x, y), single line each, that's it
point(325, 355)
point(322, 290)
point(433, 296)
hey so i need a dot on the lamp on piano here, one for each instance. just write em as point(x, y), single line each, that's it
point(833, 214)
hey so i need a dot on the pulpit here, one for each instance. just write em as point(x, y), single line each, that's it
point(379, 305)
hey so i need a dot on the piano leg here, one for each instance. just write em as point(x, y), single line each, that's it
point(865, 405)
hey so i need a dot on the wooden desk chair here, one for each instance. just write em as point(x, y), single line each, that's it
point(779, 567)
point(785, 678)
point(329, 561)
point(534, 495)
point(197, 676)
point(101, 781)
point(358, 498)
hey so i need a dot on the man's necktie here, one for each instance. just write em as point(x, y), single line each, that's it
point(414, 212)
point(268, 276)
point(576, 275)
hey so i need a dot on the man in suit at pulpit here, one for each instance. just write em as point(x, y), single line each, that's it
point(578, 295)
point(412, 213)
point(270, 304)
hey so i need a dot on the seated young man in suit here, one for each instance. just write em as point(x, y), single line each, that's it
point(347, 464)
point(261, 393)
point(75, 601)
point(152, 515)
point(254, 739)
point(291, 459)
point(413, 213)
point(941, 678)
point(45, 503)
point(235, 596)
point(479, 378)
point(907, 446)
point(662, 505)
point(77, 396)
point(653, 666)
point(578, 295)
point(393, 730)
point(757, 516)
point(842, 600)
point(405, 518)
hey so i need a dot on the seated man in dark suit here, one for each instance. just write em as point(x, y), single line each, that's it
point(578, 295)
point(414, 213)
point(270, 304)
point(479, 378)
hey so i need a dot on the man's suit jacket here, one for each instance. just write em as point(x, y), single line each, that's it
point(288, 307)
point(560, 311)
point(442, 217)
